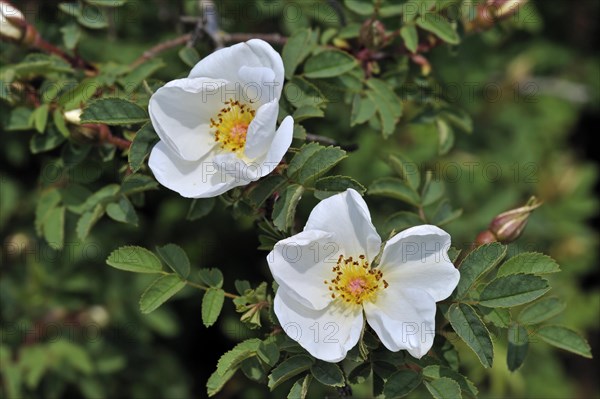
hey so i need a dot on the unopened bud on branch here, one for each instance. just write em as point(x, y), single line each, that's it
point(509, 225)
point(372, 34)
point(12, 22)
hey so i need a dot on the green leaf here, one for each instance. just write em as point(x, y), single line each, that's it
point(363, 109)
point(540, 311)
point(113, 111)
point(134, 78)
point(401, 221)
point(529, 263)
point(268, 352)
point(285, 207)
point(437, 371)
point(217, 381)
point(513, 290)
point(361, 7)
point(40, 117)
point(477, 263)
point(122, 211)
point(500, 317)
point(329, 63)
point(389, 106)
point(265, 188)
point(141, 145)
point(232, 358)
point(444, 213)
point(159, 292)
point(93, 18)
point(288, 369)
point(87, 220)
point(54, 227)
point(200, 207)
point(47, 202)
point(300, 92)
point(301, 157)
point(71, 35)
point(470, 328)
point(77, 96)
point(408, 170)
point(360, 373)
point(137, 183)
point(443, 388)
point(300, 388)
point(176, 258)
point(330, 185)
point(518, 344)
point(328, 374)
point(439, 26)
point(134, 259)
point(189, 56)
point(60, 123)
point(410, 37)
point(445, 136)
point(318, 163)
point(211, 277)
point(394, 188)
point(565, 338)
point(46, 142)
point(296, 49)
point(432, 190)
point(19, 119)
point(307, 112)
point(254, 369)
point(401, 383)
point(212, 303)
point(105, 194)
point(106, 3)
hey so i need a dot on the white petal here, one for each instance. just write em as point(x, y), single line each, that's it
point(403, 319)
point(418, 258)
point(198, 179)
point(300, 264)
point(347, 216)
point(180, 112)
point(261, 130)
point(236, 169)
point(280, 144)
point(327, 334)
point(235, 64)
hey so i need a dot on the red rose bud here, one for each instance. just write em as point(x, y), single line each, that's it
point(508, 226)
point(372, 34)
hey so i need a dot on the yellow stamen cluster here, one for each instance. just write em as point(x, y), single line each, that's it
point(355, 281)
point(231, 125)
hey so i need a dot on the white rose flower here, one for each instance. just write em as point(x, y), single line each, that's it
point(11, 20)
point(217, 127)
point(327, 283)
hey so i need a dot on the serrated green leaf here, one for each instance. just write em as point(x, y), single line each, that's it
point(105, 194)
point(330, 185)
point(500, 317)
point(432, 191)
point(232, 358)
point(298, 161)
point(360, 373)
point(394, 188)
point(328, 373)
point(300, 92)
point(268, 352)
point(159, 292)
point(313, 161)
point(212, 303)
point(470, 328)
point(78, 95)
point(439, 26)
point(443, 388)
point(540, 311)
point(141, 145)
point(363, 109)
point(54, 227)
point(46, 142)
point(518, 344)
point(288, 369)
point(410, 37)
point(389, 106)
point(307, 112)
point(211, 277)
point(285, 207)
point(513, 290)
point(529, 263)
point(477, 263)
point(134, 259)
point(296, 49)
point(216, 381)
point(437, 371)
point(300, 388)
point(200, 207)
point(113, 111)
point(329, 63)
point(407, 170)
point(361, 7)
point(134, 78)
point(401, 383)
point(565, 338)
point(176, 258)
point(137, 183)
point(122, 211)
point(87, 220)
point(264, 188)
